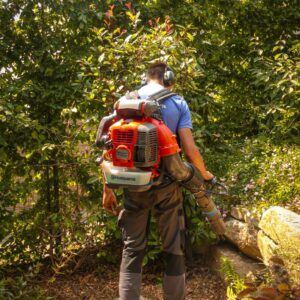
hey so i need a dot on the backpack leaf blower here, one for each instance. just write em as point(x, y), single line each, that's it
point(141, 151)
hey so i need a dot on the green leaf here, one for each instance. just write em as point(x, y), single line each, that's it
point(277, 56)
point(35, 135)
point(92, 180)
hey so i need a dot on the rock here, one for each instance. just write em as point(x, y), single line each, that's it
point(280, 236)
point(282, 226)
point(240, 262)
point(244, 236)
point(243, 214)
point(238, 212)
point(252, 220)
point(267, 246)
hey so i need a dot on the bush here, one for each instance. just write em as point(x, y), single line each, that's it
point(259, 173)
point(21, 286)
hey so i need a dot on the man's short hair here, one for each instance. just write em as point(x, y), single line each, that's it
point(157, 71)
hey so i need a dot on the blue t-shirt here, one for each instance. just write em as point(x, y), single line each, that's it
point(175, 111)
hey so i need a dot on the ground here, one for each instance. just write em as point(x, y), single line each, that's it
point(102, 283)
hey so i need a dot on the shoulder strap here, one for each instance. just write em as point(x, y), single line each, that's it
point(161, 95)
point(132, 95)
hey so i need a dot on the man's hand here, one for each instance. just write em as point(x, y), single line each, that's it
point(109, 201)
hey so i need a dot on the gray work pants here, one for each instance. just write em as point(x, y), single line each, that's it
point(166, 206)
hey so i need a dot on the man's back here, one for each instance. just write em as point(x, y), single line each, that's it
point(175, 111)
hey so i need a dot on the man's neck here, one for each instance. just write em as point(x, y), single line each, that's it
point(154, 81)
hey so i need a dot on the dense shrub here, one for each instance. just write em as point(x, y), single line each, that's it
point(259, 173)
point(65, 62)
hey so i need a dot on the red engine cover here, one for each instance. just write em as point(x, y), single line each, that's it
point(124, 137)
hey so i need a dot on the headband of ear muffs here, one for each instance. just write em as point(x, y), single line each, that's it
point(169, 77)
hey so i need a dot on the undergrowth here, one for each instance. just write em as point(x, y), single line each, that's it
point(273, 283)
point(21, 286)
point(258, 172)
point(234, 281)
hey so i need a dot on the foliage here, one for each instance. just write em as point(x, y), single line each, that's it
point(21, 287)
point(260, 173)
point(48, 197)
point(273, 285)
point(249, 54)
point(234, 281)
point(199, 230)
point(49, 181)
point(64, 63)
point(120, 56)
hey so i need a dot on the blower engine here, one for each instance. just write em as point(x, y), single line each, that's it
point(141, 150)
point(135, 144)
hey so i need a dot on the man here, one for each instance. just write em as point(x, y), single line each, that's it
point(164, 201)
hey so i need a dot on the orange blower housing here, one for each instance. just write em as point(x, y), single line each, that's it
point(135, 142)
point(141, 142)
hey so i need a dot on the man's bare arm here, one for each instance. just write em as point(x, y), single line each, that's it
point(192, 153)
point(109, 199)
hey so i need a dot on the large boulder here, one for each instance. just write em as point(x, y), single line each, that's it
point(280, 236)
point(244, 236)
point(240, 263)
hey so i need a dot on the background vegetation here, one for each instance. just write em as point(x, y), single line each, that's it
point(63, 64)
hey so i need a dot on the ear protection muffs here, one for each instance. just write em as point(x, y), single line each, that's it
point(144, 79)
point(169, 77)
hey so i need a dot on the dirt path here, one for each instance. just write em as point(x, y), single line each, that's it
point(102, 283)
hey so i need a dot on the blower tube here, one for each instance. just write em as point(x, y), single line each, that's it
point(191, 179)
